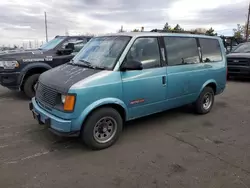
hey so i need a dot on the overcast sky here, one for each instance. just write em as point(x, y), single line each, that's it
point(23, 20)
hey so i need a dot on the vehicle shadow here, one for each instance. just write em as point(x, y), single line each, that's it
point(55, 143)
point(236, 79)
point(15, 95)
point(158, 118)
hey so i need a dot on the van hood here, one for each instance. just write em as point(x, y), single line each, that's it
point(63, 77)
point(238, 55)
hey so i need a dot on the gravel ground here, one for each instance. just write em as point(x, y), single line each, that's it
point(173, 149)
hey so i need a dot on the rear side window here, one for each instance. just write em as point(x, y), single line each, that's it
point(181, 50)
point(211, 51)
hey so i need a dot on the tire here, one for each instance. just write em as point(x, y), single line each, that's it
point(29, 83)
point(90, 132)
point(200, 106)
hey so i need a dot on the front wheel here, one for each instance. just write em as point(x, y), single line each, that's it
point(102, 128)
point(30, 83)
point(205, 102)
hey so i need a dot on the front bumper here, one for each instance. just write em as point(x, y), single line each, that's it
point(239, 71)
point(10, 80)
point(56, 125)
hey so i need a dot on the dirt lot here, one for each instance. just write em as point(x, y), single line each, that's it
point(172, 149)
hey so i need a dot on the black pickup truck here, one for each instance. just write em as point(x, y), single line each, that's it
point(238, 61)
point(20, 70)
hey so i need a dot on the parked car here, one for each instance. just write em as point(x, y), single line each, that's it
point(238, 61)
point(231, 42)
point(19, 70)
point(119, 77)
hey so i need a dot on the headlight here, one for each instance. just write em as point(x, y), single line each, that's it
point(63, 98)
point(9, 64)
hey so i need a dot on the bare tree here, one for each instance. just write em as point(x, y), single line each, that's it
point(240, 31)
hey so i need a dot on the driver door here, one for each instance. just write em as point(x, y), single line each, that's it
point(144, 91)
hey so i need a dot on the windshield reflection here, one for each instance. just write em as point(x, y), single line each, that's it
point(102, 52)
point(51, 44)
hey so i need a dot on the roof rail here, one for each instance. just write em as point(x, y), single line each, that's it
point(174, 31)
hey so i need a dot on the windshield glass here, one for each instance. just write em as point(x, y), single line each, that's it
point(242, 48)
point(51, 44)
point(102, 52)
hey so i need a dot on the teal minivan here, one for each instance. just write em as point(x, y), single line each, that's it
point(119, 77)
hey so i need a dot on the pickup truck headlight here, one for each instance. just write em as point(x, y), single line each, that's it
point(9, 64)
point(68, 102)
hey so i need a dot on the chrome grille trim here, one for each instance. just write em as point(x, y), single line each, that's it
point(238, 61)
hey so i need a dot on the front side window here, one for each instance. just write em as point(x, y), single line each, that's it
point(242, 48)
point(102, 52)
point(145, 50)
point(78, 46)
point(181, 50)
point(211, 50)
point(73, 40)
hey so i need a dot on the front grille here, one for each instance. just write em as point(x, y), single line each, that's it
point(46, 95)
point(238, 61)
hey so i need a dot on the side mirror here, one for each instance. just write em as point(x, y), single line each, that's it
point(70, 46)
point(131, 65)
point(64, 51)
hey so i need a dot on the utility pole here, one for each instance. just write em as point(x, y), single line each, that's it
point(247, 26)
point(30, 44)
point(46, 29)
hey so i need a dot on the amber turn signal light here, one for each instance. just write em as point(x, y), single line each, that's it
point(69, 103)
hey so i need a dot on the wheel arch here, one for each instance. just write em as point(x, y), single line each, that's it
point(210, 83)
point(117, 104)
point(34, 68)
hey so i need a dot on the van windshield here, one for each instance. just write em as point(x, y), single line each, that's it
point(102, 52)
point(51, 44)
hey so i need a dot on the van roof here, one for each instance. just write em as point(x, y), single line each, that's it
point(73, 36)
point(148, 33)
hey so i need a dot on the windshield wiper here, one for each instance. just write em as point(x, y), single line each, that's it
point(85, 62)
point(88, 64)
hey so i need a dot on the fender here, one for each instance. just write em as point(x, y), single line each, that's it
point(211, 81)
point(32, 66)
point(80, 120)
point(35, 65)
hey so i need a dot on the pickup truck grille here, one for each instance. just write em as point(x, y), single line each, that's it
point(46, 95)
point(238, 61)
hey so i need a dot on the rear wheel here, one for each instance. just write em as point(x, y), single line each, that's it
point(205, 102)
point(30, 84)
point(102, 128)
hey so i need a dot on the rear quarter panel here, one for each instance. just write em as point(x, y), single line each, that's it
point(210, 72)
point(218, 70)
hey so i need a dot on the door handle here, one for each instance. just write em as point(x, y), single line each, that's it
point(164, 80)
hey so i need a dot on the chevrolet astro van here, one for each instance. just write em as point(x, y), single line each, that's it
point(119, 77)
